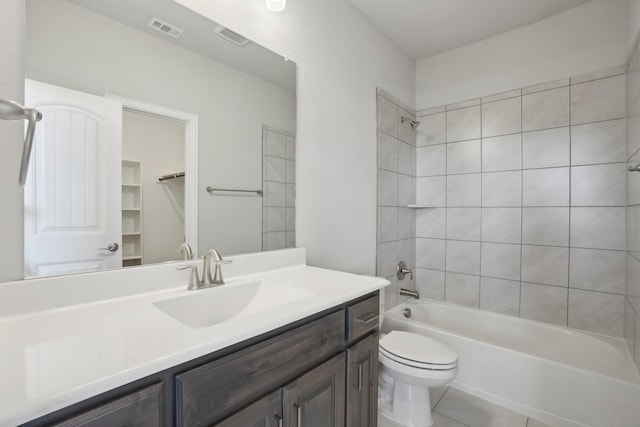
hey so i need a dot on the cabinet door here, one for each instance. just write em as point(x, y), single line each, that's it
point(266, 412)
point(362, 383)
point(141, 409)
point(317, 399)
point(214, 390)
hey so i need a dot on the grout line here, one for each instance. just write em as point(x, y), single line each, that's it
point(521, 203)
point(525, 282)
point(441, 397)
point(446, 202)
point(595, 79)
point(569, 166)
point(480, 246)
point(452, 419)
point(524, 244)
point(570, 209)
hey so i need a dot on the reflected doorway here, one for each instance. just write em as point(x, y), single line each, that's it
point(153, 188)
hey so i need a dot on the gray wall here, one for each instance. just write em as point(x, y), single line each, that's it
point(632, 301)
point(11, 139)
point(527, 196)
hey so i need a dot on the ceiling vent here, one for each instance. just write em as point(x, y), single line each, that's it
point(232, 36)
point(165, 28)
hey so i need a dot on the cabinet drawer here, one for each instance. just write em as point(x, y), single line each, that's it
point(209, 392)
point(362, 317)
point(141, 408)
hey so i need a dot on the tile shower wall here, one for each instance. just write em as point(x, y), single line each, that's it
point(396, 190)
point(632, 300)
point(525, 196)
point(278, 184)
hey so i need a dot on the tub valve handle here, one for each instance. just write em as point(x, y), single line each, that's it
point(402, 271)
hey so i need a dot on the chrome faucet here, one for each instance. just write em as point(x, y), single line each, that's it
point(186, 251)
point(206, 281)
point(409, 293)
point(215, 257)
point(194, 280)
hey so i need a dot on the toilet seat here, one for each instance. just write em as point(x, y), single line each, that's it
point(418, 351)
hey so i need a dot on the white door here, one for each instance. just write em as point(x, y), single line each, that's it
point(72, 199)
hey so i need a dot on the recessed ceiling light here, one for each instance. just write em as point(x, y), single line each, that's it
point(276, 5)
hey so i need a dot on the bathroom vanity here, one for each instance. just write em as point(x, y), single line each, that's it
point(312, 361)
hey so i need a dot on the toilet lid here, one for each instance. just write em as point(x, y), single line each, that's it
point(418, 348)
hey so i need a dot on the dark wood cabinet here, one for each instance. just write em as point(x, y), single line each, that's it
point(317, 399)
point(266, 412)
point(141, 408)
point(208, 392)
point(321, 371)
point(362, 383)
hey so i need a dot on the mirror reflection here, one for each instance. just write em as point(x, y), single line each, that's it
point(146, 106)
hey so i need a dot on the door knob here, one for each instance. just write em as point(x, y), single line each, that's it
point(111, 248)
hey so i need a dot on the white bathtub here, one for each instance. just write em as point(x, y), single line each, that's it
point(558, 375)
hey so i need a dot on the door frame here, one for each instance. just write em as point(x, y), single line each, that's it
point(191, 158)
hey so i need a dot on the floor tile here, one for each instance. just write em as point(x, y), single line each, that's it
point(436, 393)
point(386, 422)
point(476, 412)
point(440, 420)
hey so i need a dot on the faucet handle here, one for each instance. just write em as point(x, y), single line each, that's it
point(402, 271)
point(217, 273)
point(194, 279)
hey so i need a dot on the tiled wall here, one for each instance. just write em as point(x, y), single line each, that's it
point(396, 190)
point(526, 203)
point(632, 301)
point(278, 184)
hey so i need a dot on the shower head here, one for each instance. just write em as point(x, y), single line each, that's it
point(413, 123)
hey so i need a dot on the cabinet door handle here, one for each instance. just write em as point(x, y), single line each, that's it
point(367, 318)
point(279, 419)
point(298, 414)
point(359, 384)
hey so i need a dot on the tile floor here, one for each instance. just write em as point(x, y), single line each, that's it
point(455, 408)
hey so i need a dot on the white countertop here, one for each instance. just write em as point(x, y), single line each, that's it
point(54, 357)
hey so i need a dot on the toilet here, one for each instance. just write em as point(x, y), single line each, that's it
point(409, 365)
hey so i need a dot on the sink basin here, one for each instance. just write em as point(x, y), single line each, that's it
point(209, 307)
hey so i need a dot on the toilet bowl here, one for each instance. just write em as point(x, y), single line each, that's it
point(409, 365)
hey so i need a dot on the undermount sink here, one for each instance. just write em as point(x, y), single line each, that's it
point(212, 306)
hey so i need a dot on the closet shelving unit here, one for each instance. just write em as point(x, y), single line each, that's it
point(131, 213)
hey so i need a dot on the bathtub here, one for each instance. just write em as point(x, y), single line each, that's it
point(558, 375)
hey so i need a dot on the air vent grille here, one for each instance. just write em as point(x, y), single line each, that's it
point(232, 36)
point(165, 28)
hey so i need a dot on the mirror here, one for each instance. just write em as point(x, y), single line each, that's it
point(234, 103)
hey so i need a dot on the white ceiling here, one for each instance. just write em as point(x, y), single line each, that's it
point(423, 28)
point(199, 36)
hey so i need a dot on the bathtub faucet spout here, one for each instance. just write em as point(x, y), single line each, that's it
point(409, 293)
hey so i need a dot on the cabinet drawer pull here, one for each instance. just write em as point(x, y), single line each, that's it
point(298, 414)
point(367, 318)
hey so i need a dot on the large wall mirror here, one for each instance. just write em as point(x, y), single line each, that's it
point(160, 128)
